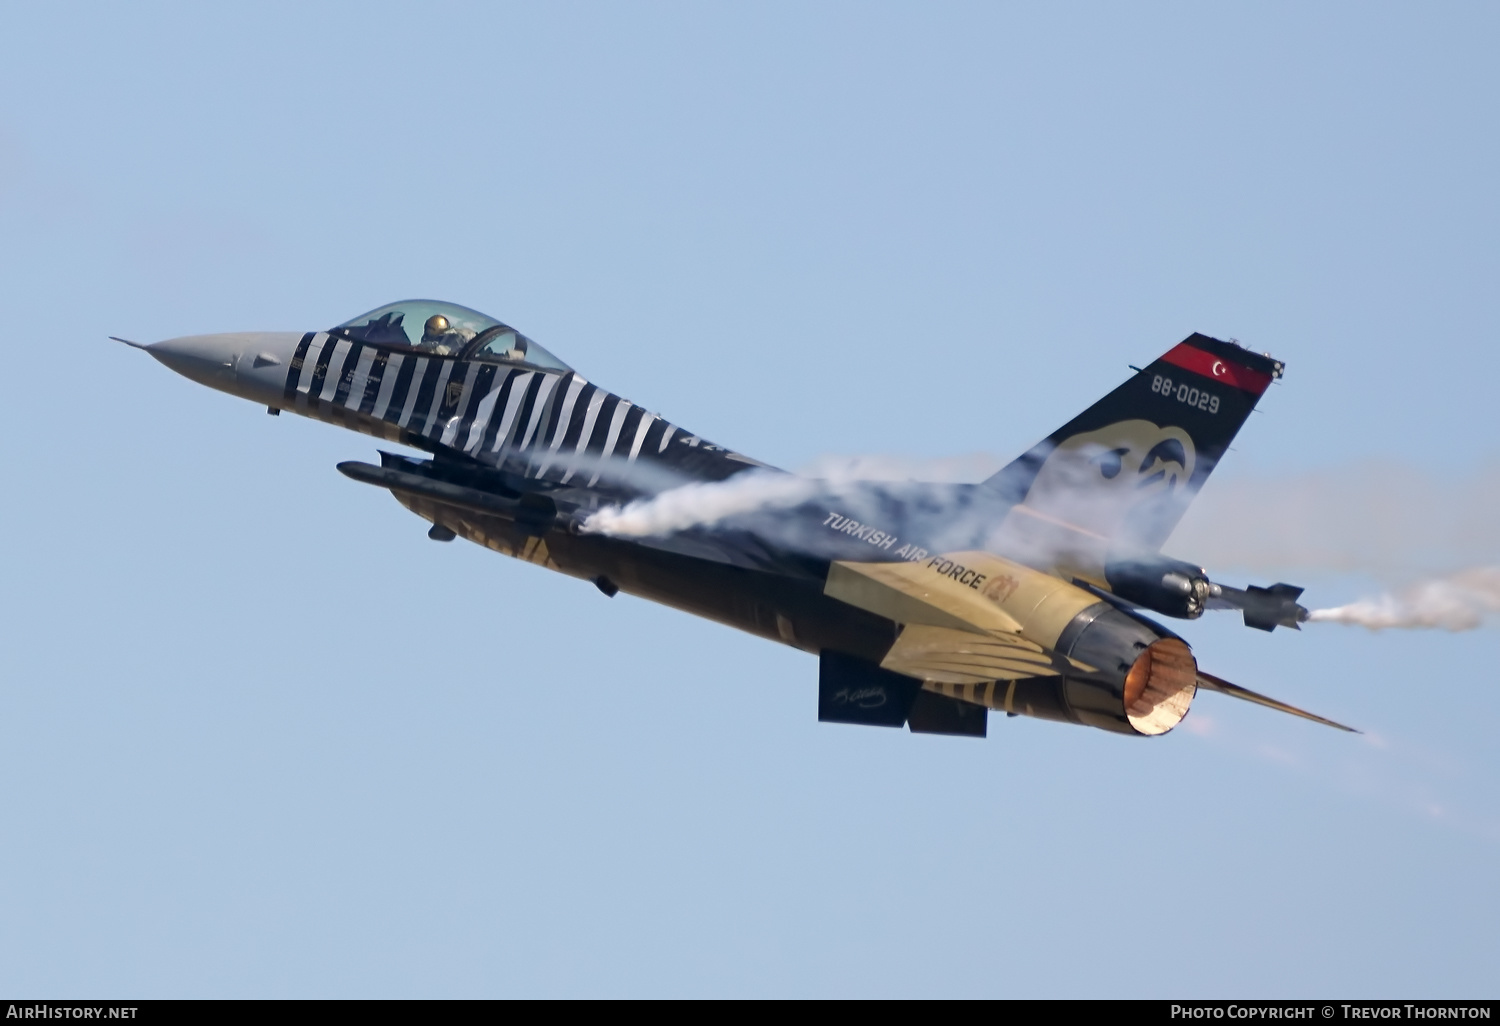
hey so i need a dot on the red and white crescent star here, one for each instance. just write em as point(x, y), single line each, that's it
point(1218, 368)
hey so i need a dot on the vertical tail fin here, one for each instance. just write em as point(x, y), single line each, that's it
point(1120, 475)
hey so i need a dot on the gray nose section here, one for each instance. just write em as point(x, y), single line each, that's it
point(206, 359)
point(250, 364)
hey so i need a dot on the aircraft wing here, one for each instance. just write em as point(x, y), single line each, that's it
point(959, 635)
point(952, 632)
point(949, 656)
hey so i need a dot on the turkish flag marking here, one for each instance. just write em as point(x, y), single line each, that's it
point(1216, 368)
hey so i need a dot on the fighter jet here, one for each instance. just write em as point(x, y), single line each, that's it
point(927, 604)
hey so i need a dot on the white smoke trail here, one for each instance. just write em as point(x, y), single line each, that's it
point(705, 504)
point(1392, 520)
point(1327, 521)
point(1458, 602)
point(969, 468)
point(848, 479)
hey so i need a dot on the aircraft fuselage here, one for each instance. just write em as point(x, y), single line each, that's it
point(926, 604)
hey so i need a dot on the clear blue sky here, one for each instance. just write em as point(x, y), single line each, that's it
point(260, 737)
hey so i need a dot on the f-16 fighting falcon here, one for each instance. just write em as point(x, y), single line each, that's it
point(927, 605)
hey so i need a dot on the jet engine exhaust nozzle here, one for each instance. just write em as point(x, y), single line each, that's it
point(1160, 686)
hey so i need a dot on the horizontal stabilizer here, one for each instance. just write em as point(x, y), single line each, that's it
point(1223, 687)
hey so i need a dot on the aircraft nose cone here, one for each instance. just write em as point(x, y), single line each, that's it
point(206, 359)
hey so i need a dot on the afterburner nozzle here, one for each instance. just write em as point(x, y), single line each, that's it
point(1160, 686)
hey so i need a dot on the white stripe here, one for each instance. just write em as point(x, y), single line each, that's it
point(568, 400)
point(647, 419)
point(540, 407)
point(416, 387)
point(450, 429)
point(613, 436)
point(439, 393)
point(483, 413)
point(517, 393)
point(666, 436)
point(310, 362)
point(335, 368)
point(388, 384)
point(361, 378)
point(564, 419)
point(589, 416)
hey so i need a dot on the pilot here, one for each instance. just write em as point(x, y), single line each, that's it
point(439, 335)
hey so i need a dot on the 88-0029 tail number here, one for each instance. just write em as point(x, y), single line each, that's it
point(1185, 393)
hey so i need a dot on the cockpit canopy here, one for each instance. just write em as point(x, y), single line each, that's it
point(447, 329)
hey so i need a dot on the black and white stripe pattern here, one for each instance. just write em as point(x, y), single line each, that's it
point(540, 423)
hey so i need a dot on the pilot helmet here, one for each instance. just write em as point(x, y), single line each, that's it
point(437, 325)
